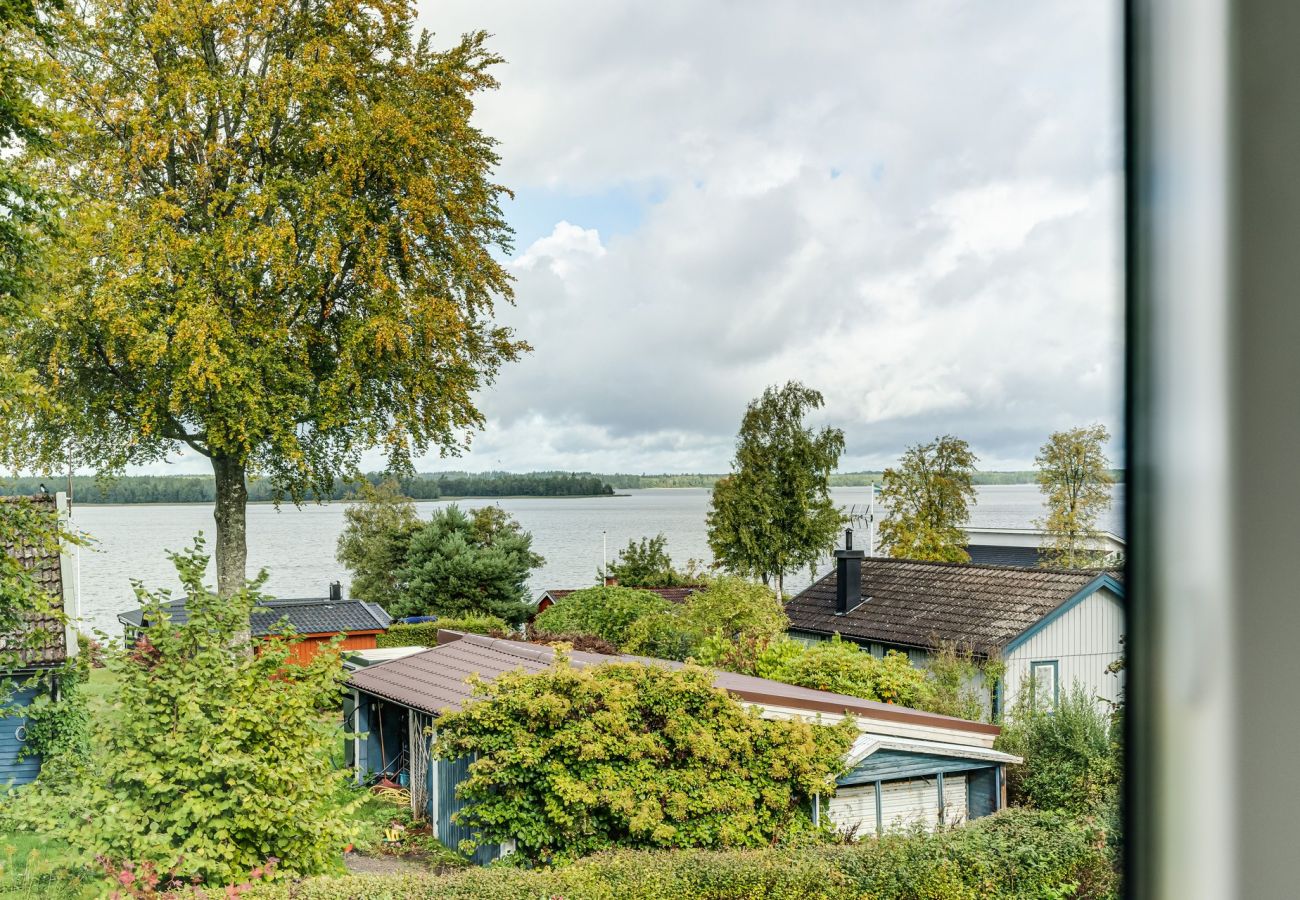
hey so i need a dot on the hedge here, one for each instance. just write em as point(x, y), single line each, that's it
point(1017, 854)
point(425, 634)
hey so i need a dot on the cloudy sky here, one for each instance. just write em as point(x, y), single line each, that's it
point(913, 207)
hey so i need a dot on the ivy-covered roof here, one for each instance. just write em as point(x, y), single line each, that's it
point(44, 642)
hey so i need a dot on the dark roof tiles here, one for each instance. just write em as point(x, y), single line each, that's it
point(45, 644)
point(312, 616)
point(919, 604)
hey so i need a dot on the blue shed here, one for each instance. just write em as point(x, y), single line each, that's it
point(43, 646)
point(907, 767)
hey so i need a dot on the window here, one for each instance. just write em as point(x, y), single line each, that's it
point(1043, 683)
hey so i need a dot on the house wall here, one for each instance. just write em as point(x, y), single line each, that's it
point(903, 804)
point(305, 650)
point(12, 740)
point(1083, 641)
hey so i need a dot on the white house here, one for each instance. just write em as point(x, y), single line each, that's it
point(1057, 627)
point(1024, 546)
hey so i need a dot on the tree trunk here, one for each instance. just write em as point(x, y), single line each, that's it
point(780, 586)
point(232, 532)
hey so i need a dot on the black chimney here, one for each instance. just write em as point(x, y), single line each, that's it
point(336, 592)
point(848, 576)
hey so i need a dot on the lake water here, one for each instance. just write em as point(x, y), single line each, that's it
point(296, 545)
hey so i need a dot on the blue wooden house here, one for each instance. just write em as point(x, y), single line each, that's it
point(40, 650)
point(908, 767)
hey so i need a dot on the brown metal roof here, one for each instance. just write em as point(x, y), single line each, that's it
point(434, 681)
point(918, 604)
point(44, 642)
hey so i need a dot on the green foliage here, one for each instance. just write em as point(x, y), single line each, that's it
point(425, 634)
point(954, 678)
point(570, 761)
point(927, 500)
point(1014, 855)
point(468, 565)
point(376, 535)
point(606, 612)
point(61, 724)
point(215, 758)
point(1071, 759)
point(1074, 476)
point(845, 668)
point(646, 564)
point(729, 610)
point(773, 514)
point(281, 245)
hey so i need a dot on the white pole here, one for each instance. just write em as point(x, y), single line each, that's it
point(604, 557)
point(871, 521)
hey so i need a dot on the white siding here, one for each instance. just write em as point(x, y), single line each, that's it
point(902, 804)
point(853, 810)
point(1083, 641)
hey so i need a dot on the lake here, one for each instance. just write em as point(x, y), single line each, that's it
point(296, 545)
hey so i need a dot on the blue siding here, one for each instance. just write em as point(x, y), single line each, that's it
point(982, 793)
point(12, 769)
point(891, 765)
point(449, 774)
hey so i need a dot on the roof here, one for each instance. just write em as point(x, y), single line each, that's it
point(309, 616)
point(45, 644)
point(435, 681)
point(673, 594)
point(921, 604)
point(373, 656)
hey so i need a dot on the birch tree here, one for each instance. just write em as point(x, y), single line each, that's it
point(1074, 477)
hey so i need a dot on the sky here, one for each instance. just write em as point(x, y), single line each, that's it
point(913, 207)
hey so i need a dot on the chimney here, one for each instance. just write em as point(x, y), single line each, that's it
point(336, 592)
point(611, 581)
point(848, 576)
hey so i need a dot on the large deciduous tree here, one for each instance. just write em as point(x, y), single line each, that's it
point(1074, 476)
point(277, 247)
point(773, 514)
point(928, 498)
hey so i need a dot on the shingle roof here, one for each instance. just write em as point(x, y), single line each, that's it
point(673, 594)
point(310, 616)
point(45, 643)
point(918, 604)
point(434, 681)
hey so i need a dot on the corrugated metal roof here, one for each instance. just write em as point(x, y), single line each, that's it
point(435, 681)
point(311, 616)
point(45, 643)
point(917, 604)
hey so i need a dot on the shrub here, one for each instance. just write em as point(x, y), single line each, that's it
point(425, 634)
point(606, 612)
point(473, 564)
point(1014, 855)
point(570, 761)
point(216, 758)
point(646, 564)
point(1070, 763)
point(844, 668)
point(728, 611)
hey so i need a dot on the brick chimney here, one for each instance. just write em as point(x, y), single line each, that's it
point(611, 581)
point(848, 576)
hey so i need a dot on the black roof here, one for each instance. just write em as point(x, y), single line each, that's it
point(317, 615)
point(45, 643)
point(920, 604)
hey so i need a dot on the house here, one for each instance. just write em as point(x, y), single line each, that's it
point(1025, 546)
point(908, 767)
point(1049, 627)
point(317, 621)
point(671, 594)
point(46, 643)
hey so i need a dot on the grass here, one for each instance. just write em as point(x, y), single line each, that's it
point(383, 817)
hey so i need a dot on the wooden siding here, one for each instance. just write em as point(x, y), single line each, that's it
point(982, 794)
point(305, 650)
point(853, 810)
point(895, 764)
point(1083, 641)
point(12, 769)
point(903, 804)
point(447, 774)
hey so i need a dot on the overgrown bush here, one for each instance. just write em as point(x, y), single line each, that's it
point(845, 668)
point(1014, 855)
point(216, 758)
point(425, 634)
point(606, 612)
point(1071, 763)
point(571, 761)
point(61, 723)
